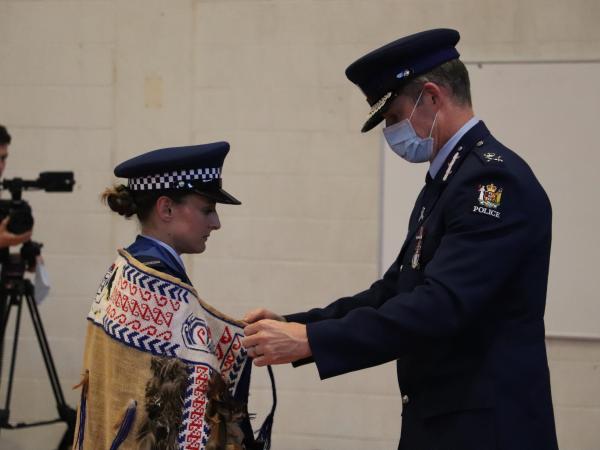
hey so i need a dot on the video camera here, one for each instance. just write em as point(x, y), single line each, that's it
point(21, 218)
point(16, 290)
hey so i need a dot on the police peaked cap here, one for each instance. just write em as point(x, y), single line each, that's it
point(196, 168)
point(382, 72)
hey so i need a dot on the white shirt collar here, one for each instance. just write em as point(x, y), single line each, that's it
point(439, 159)
point(170, 249)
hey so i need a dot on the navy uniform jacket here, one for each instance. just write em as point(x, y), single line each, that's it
point(460, 310)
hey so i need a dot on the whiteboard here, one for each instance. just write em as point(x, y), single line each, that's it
point(549, 113)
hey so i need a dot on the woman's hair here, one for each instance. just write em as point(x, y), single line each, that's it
point(140, 203)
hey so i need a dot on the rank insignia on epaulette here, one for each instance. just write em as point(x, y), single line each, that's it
point(492, 157)
point(489, 199)
point(153, 262)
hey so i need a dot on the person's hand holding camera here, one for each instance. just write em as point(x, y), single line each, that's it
point(8, 239)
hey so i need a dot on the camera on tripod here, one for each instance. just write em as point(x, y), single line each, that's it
point(15, 290)
point(21, 218)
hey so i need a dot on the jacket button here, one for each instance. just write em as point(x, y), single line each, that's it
point(405, 399)
point(479, 143)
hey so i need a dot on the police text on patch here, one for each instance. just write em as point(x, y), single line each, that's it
point(487, 211)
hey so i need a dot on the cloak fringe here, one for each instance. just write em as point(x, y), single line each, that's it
point(223, 414)
point(264, 433)
point(125, 425)
point(165, 392)
point(83, 384)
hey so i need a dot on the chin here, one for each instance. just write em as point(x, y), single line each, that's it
point(194, 250)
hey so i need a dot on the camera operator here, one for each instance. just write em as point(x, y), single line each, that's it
point(8, 239)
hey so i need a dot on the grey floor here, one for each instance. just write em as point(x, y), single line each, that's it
point(36, 438)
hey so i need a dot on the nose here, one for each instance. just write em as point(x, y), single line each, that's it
point(215, 222)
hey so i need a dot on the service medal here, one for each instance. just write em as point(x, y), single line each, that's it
point(418, 246)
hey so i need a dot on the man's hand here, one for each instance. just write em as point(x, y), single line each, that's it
point(275, 342)
point(8, 239)
point(259, 314)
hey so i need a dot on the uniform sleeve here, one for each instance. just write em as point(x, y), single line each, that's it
point(372, 298)
point(477, 254)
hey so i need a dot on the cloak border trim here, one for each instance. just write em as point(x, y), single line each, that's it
point(171, 279)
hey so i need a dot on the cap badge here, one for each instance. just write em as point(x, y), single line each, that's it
point(403, 74)
point(377, 106)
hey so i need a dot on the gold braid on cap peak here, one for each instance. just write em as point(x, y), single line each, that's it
point(377, 106)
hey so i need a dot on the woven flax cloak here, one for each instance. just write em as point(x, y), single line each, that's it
point(141, 315)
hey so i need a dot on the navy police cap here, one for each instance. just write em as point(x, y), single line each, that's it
point(382, 72)
point(196, 168)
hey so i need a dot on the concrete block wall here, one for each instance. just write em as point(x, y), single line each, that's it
point(86, 84)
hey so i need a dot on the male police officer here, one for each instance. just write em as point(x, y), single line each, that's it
point(461, 309)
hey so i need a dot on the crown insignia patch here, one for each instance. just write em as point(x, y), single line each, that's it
point(489, 199)
point(490, 195)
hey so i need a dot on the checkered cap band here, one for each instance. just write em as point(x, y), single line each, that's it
point(171, 180)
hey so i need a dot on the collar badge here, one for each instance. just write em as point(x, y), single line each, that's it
point(449, 169)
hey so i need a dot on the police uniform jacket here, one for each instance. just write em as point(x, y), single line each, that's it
point(460, 310)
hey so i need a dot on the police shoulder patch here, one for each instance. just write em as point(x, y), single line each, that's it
point(489, 199)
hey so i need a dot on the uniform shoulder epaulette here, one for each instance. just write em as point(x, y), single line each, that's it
point(160, 266)
point(488, 154)
point(150, 261)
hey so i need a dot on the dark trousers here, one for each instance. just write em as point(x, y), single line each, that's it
point(459, 430)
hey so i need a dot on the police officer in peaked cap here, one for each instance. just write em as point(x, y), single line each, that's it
point(461, 310)
point(146, 364)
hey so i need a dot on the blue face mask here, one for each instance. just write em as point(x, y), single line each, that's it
point(404, 141)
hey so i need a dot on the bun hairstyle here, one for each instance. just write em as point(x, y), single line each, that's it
point(128, 203)
point(120, 200)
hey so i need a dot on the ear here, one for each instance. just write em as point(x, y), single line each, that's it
point(433, 94)
point(164, 208)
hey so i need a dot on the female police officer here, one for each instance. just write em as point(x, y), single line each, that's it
point(153, 346)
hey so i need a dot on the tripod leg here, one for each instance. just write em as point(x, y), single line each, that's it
point(45, 349)
point(5, 305)
point(66, 413)
point(5, 413)
point(66, 443)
